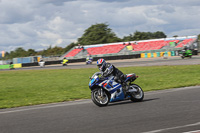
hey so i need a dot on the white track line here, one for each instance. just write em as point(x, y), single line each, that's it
point(171, 128)
point(47, 106)
point(197, 131)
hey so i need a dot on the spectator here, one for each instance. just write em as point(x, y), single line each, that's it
point(79, 46)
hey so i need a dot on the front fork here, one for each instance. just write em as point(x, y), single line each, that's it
point(100, 92)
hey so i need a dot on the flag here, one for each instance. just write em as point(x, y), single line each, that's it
point(3, 53)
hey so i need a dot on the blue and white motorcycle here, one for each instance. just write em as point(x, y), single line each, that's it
point(106, 90)
point(88, 61)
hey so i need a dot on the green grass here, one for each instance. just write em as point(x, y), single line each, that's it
point(31, 87)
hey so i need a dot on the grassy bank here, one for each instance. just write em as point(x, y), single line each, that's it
point(30, 87)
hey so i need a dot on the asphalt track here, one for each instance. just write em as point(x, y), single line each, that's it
point(160, 61)
point(168, 111)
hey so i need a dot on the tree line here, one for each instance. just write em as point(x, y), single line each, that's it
point(95, 34)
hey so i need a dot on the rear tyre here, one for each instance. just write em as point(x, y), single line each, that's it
point(137, 96)
point(100, 100)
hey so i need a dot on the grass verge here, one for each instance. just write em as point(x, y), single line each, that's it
point(31, 87)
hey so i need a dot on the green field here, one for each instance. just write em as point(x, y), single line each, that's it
point(31, 87)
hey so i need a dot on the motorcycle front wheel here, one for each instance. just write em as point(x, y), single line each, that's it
point(137, 96)
point(100, 99)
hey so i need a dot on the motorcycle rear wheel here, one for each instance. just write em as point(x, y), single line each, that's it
point(100, 100)
point(137, 96)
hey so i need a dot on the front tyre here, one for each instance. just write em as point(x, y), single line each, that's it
point(137, 96)
point(100, 99)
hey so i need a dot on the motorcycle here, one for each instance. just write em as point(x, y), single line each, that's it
point(88, 61)
point(41, 63)
point(186, 53)
point(107, 90)
point(64, 62)
point(11, 66)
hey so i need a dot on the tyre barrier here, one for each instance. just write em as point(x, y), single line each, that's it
point(12, 66)
point(157, 54)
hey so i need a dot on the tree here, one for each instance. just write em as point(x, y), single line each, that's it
point(19, 52)
point(144, 36)
point(159, 34)
point(128, 38)
point(55, 51)
point(98, 34)
point(175, 36)
point(31, 52)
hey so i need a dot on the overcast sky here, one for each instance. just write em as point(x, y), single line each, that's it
point(37, 24)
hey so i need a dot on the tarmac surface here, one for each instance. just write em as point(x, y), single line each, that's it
point(166, 111)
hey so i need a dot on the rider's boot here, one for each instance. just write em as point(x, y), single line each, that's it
point(125, 88)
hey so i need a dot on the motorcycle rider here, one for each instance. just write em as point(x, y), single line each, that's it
point(89, 59)
point(64, 62)
point(108, 69)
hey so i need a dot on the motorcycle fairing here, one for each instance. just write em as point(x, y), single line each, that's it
point(114, 88)
point(117, 96)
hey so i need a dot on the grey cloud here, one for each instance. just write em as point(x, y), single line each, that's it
point(113, 0)
point(55, 2)
point(166, 8)
point(14, 13)
point(40, 23)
